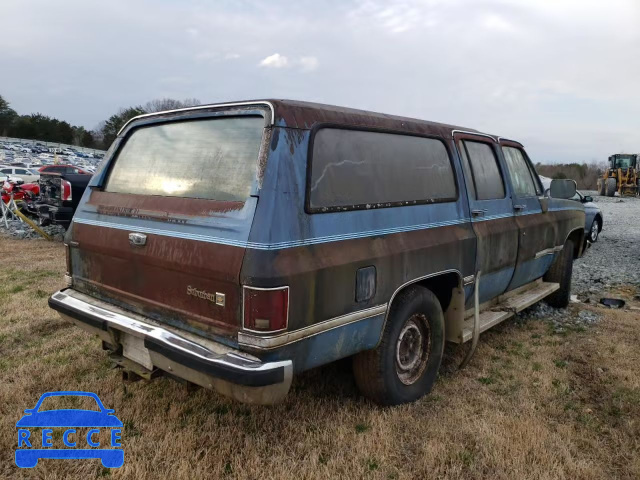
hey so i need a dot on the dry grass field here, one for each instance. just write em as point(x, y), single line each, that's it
point(533, 404)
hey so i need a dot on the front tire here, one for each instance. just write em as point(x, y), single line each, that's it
point(595, 231)
point(404, 366)
point(560, 272)
point(611, 187)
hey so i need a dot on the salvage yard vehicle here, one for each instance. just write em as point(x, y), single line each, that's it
point(60, 194)
point(233, 245)
point(594, 218)
point(622, 176)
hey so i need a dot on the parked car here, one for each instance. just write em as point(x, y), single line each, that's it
point(27, 174)
point(66, 169)
point(594, 219)
point(374, 236)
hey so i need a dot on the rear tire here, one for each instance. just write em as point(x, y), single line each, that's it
point(611, 187)
point(601, 187)
point(404, 366)
point(560, 272)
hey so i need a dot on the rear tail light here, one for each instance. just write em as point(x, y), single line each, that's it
point(265, 309)
point(66, 190)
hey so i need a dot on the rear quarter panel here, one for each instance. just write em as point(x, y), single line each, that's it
point(317, 255)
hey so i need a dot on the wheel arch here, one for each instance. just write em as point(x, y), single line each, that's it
point(576, 236)
point(447, 286)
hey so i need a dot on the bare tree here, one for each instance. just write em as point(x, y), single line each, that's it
point(161, 104)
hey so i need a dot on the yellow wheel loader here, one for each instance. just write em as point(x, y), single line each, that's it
point(622, 176)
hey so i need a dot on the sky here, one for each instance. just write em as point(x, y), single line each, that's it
point(561, 76)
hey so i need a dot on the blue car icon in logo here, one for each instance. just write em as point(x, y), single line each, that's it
point(29, 452)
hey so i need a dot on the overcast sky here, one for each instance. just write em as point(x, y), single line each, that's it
point(562, 76)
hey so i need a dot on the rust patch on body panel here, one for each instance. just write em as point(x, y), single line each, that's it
point(159, 208)
point(322, 277)
point(158, 275)
point(497, 244)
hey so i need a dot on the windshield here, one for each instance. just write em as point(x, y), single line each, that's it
point(623, 162)
point(214, 159)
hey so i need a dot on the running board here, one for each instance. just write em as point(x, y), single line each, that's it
point(510, 306)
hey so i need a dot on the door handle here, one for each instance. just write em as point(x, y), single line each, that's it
point(519, 208)
point(477, 213)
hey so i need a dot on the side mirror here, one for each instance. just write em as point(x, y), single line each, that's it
point(588, 198)
point(563, 188)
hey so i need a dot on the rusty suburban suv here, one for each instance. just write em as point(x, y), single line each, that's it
point(233, 245)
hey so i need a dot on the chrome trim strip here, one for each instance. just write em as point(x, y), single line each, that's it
point(275, 341)
point(466, 132)
point(549, 251)
point(272, 246)
point(286, 325)
point(203, 107)
point(509, 140)
point(235, 360)
point(468, 280)
point(304, 242)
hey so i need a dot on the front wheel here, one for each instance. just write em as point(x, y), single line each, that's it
point(611, 187)
point(595, 231)
point(405, 364)
point(560, 272)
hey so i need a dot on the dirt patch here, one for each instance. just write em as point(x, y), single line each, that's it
point(534, 403)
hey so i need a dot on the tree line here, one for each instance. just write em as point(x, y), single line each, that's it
point(37, 126)
point(585, 174)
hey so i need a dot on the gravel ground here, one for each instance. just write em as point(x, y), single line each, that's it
point(615, 258)
point(21, 230)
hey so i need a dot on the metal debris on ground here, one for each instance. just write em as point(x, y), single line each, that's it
point(613, 302)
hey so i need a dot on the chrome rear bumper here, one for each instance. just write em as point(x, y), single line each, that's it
point(185, 355)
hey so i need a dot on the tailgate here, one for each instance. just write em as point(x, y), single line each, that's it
point(165, 234)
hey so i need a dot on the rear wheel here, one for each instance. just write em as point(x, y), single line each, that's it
point(405, 364)
point(560, 272)
point(595, 231)
point(611, 187)
point(601, 187)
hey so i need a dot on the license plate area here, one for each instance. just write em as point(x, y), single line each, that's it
point(133, 348)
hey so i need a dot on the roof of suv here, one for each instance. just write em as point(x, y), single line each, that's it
point(306, 115)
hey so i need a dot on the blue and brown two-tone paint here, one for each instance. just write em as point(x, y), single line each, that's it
point(272, 240)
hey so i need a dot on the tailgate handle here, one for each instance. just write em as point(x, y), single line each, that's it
point(137, 239)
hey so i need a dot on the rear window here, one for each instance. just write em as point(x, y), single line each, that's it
point(363, 169)
point(486, 181)
point(214, 159)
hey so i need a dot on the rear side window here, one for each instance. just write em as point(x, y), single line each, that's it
point(363, 169)
point(214, 159)
point(481, 167)
point(519, 172)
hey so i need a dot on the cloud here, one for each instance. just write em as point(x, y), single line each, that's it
point(308, 64)
point(275, 61)
point(497, 23)
point(568, 89)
